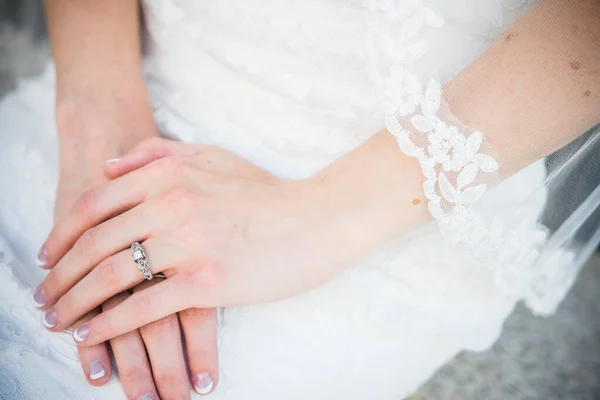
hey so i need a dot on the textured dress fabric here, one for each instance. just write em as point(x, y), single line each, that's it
point(286, 85)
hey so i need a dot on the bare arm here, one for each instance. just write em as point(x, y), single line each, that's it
point(534, 90)
point(101, 92)
point(538, 87)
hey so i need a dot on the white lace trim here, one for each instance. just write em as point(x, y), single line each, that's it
point(457, 163)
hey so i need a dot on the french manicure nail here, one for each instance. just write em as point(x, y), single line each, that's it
point(49, 319)
point(39, 300)
point(96, 370)
point(42, 258)
point(146, 397)
point(203, 383)
point(112, 160)
point(81, 333)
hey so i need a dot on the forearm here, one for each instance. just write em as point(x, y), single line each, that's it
point(94, 39)
point(538, 86)
point(97, 52)
point(536, 89)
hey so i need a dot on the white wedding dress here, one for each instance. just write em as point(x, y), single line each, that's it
point(283, 83)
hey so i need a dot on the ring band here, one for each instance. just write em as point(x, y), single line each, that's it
point(139, 257)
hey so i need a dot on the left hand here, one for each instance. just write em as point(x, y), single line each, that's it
point(222, 230)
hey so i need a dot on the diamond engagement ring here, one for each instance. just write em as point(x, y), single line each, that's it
point(139, 257)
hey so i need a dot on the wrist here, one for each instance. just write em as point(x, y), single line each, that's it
point(374, 193)
point(102, 125)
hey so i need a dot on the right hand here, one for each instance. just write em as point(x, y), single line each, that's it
point(199, 324)
point(150, 360)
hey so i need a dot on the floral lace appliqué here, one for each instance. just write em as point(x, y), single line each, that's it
point(457, 163)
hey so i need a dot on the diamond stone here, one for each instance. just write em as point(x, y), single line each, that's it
point(138, 255)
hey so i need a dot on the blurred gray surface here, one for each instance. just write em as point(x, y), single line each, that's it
point(555, 358)
point(535, 359)
point(24, 13)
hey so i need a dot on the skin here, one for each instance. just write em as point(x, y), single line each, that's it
point(227, 233)
point(103, 111)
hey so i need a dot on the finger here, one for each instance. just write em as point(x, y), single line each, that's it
point(94, 246)
point(200, 330)
point(94, 360)
point(111, 199)
point(163, 342)
point(114, 275)
point(142, 308)
point(145, 153)
point(130, 356)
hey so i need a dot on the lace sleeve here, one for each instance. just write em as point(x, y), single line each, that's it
point(459, 166)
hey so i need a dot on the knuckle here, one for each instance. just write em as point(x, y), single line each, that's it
point(107, 274)
point(85, 205)
point(171, 166)
point(191, 277)
point(179, 197)
point(132, 375)
point(164, 325)
point(87, 241)
point(209, 277)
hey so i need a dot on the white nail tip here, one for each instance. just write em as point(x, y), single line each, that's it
point(38, 305)
point(97, 375)
point(112, 160)
point(77, 337)
point(46, 324)
point(96, 370)
point(205, 390)
point(39, 262)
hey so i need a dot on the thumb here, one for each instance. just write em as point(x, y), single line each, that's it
point(146, 152)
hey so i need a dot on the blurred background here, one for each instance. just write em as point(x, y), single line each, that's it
point(536, 358)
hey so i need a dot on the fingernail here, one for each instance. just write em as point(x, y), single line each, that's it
point(81, 333)
point(203, 383)
point(96, 370)
point(39, 300)
point(42, 258)
point(146, 397)
point(49, 319)
point(112, 160)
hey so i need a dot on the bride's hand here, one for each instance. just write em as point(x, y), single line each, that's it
point(222, 230)
point(87, 140)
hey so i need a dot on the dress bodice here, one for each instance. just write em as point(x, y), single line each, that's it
point(291, 77)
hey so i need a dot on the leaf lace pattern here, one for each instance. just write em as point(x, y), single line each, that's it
point(458, 164)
